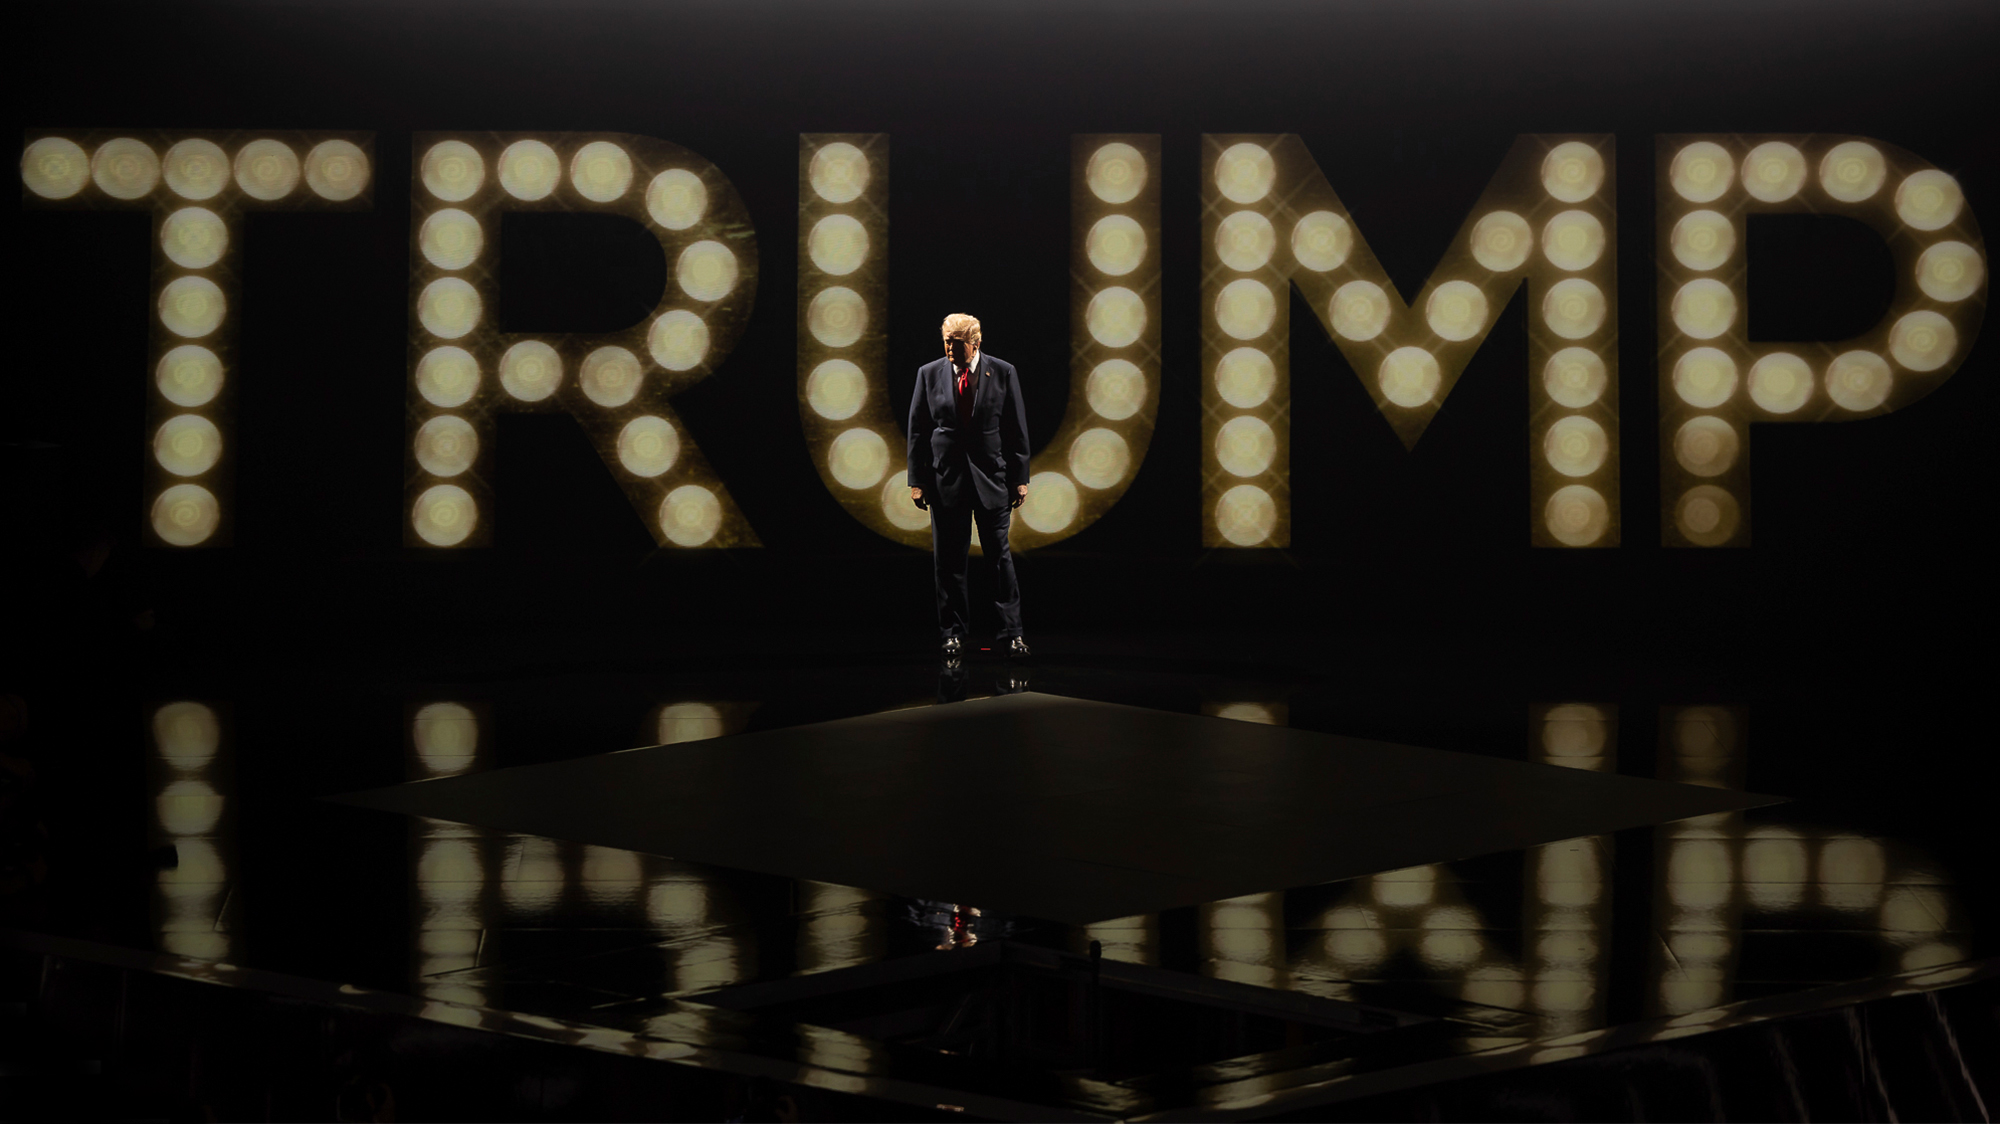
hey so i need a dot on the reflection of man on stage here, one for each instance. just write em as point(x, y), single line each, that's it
point(969, 465)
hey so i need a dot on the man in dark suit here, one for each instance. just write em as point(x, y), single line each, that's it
point(969, 464)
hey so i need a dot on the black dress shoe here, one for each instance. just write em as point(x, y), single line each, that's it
point(1017, 648)
point(951, 648)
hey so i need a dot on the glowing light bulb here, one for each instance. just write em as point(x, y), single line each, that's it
point(1852, 171)
point(1703, 240)
point(706, 271)
point(601, 171)
point(1575, 446)
point(1702, 172)
point(448, 308)
point(1052, 501)
point(1950, 272)
point(189, 375)
point(897, 506)
point(54, 167)
point(1573, 308)
point(186, 515)
point(445, 736)
point(187, 732)
point(1456, 310)
point(195, 169)
point(648, 446)
point(1575, 377)
point(610, 376)
point(453, 171)
point(447, 376)
point(1922, 341)
point(451, 239)
point(1707, 516)
point(1245, 308)
point(677, 199)
point(1115, 389)
point(1409, 377)
point(1929, 200)
point(836, 389)
point(1244, 173)
point(187, 445)
point(1116, 173)
point(1705, 377)
point(1572, 171)
point(837, 316)
point(1245, 378)
point(1573, 240)
point(1706, 446)
point(267, 169)
point(858, 458)
point(838, 172)
point(1244, 241)
point(1245, 446)
point(1704, 308)
point(194, 237)
point(444, 515)
point(446, 445)
point(530, 371)
point(1099, 458)
point(337, 170)
point(1780, 382)
point(1246, 515)
point(1321, 241)
point(690, 515)
point(838, 244)
point(192, 307)
point(1359, 310)
point(1501, 241)
point(1774, 171)
point(1858, 380)
point(125, 168)
point(529, 170)
point(678, 340)
point(1116, 317)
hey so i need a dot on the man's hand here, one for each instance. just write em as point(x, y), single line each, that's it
point(917, 497)
point(1020, 495)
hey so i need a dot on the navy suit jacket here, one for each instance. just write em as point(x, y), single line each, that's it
point(977, 466)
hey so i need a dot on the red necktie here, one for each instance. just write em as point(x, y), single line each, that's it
point(965, 398)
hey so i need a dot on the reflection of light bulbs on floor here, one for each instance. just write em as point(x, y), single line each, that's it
point(529, 170)
point(445, 515)
point(837, 244)
point(186, 514)
point(1572, 171)
point(187, 733)
point(600, 171)
point(1858, 380)
point(531, 371)
point(1576, 515)
point(1244, 173)
point(1051, 505)
point(1573, 308)
point(1706, 446)
point(837, 316)
point(55, 167)
point(1116, 173)
point(1929, 200)
point(449, 307)
point(1246, 515)
point(677, 199)
point(447, 376)
point(1922, 341)
point(1501, 241)
point(187, 445)
point(1409, 377)
point(1456, 310)
point(648, 446)
point(1703, 240)
point(1115, 244)
point(1099, 458)
point(1321, 241)
point(610, 376)
point(1774, 171)
point(858, 458)
point(897, 506)
point(1705, 377)
point(1780, 382)
point(706, 271)
point(337, 170)
point(196, 169)
point(690, 515)
point(1573, 240)
point(1852, 171)
point(446, 445)
point(1245, 446)
point(678, 340)
point(1575, 377)
point(838, 172)
point(836, 389)
point(1115, 317)
point(1707, 515)
point(189, 375)
point(1244, 241)
point(452, 170)
point(125, 168)
point(1704, 308)
point(1950, 272)
point(1575, 446)
point(1359, 310)
point(267, 169)
point(194, 237)
point(192, 307)
point(1115, 389)
point(1245, 308)
point(450, 238)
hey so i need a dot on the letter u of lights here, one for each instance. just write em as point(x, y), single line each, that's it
point(463, 371)
point(198, 185)
point(1269, 218)
point(1114, 384)
point(1714, 382)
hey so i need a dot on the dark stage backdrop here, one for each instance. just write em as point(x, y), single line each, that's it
point(1409, 109)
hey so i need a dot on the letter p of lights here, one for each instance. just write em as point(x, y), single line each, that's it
point(1714, 382)
point(463, 370)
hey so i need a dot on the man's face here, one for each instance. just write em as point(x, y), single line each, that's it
point(960, 348)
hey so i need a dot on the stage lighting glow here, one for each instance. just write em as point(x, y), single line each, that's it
point(1705, 377)
point(1852, 171)
point(707, 271)
point(194, 237)
point(1244, 173)
point(529, 170)
point(1858, 380)
point(186, 514)
point(1575, 377)
point(1501, 241)
point(453, 171)
point(187, 733)
point(125, 168)
point(1702, 172)
point(1706, 446)
point(1359, 310)
point(1099, 458)
point(1922, 341)
point(267, 169)
point(189, 375)
point(836, 389)
point(446, 445)
point(1456, 310)
point(610, 376)
point(190, 807)
point(1245, 378)
point(1321, 241)
point(1243, 241)
point(451, 238)
point(1574, 730)
point(1576, 515)
point(449, 307)
point(187, 445)
point(896, 504)
point(648, 446)
point(1116, 173)
point(1249, 712)
point(1115, 389)
point(1245, 446)
point(191, 307)
point(677, 199)
point(600, 171)
point(1573, 308)
point(1051, 504)
point(445, 515)
point(195, 169)
point(55, 167)
point(1929, 200)
point(1774, 171)
point(1246, 515)
point(838, 244)
point(530, 371)
point(859, 458)
point(447, 376)
point(336, 170)
point(1704, 308)
point(838, 172)
point(1245, 308)
point(446, 736)
point(1573, 171)
point(1703, 240)
point(684, 722)
point(1573, 240)
point(1707, 515)
point(1780, 382)
point(690, 515)
point(678, 340)
point(837, 316)
point(1116, 317)
point(1116, 245)
point(1950, 272)
point(1575, 446)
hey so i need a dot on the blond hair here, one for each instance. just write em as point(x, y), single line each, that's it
point(959, 323)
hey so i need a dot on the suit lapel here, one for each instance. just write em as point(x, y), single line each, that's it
point(979, 381)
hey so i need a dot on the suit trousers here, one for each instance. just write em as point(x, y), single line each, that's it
point(951, 545)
